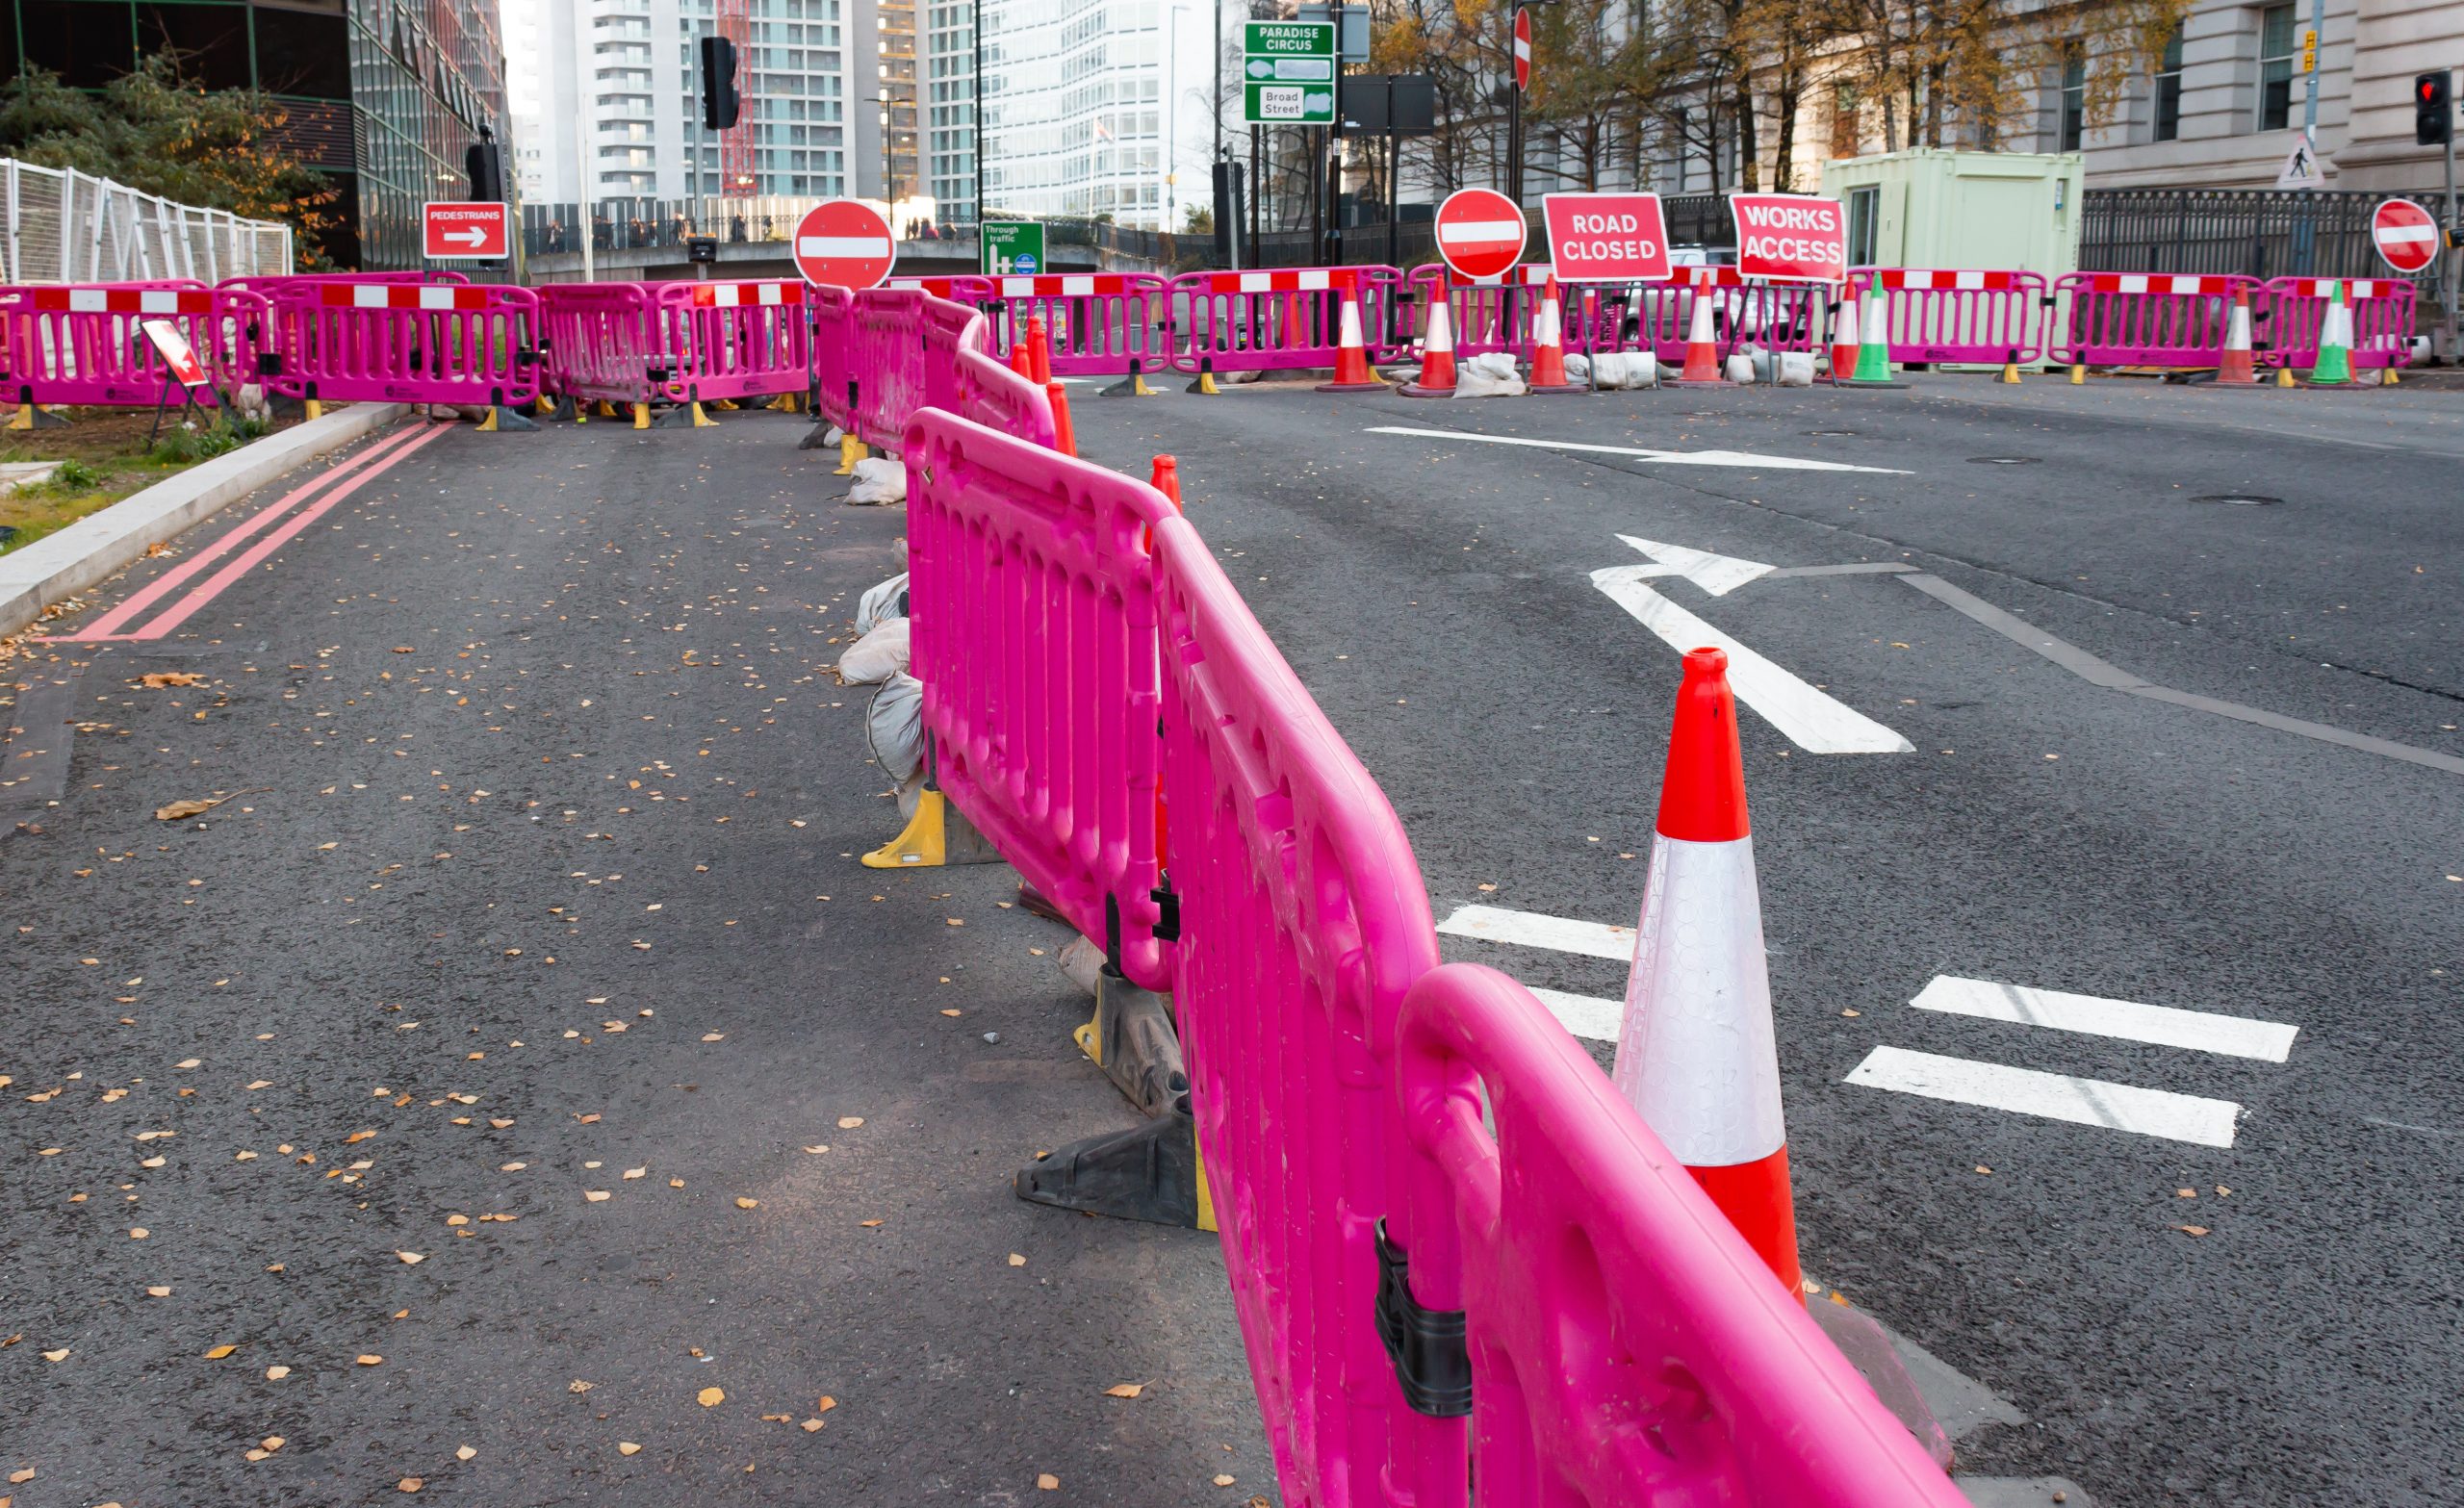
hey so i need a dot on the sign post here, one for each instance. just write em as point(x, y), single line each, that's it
point(1288, 73)
point(465, 231)
point(844, 243)
point(1004, 247)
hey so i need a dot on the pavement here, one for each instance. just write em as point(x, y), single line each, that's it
point(2269, 1320)
point(514, 1052)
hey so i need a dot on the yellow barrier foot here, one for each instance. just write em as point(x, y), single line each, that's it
point(311, 408)
point(787, 403)
point(937, 834)
point(725, 405)
point(502, 416)
point(2389, 380)
point(607, 409)
point(1133, 386)
point(545, 406)
point(2284, 376)
point(2010, 372)
point(850, 451)
point(641, 416)
point(1205, 383)
point(33, 416)
point(1132, 1040)
point(702, 420)
point(1152, 1172)
point(2078, 374)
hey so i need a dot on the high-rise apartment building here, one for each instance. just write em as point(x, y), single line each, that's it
point(946, 100)
point(1097, 107)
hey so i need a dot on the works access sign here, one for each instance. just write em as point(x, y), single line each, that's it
point(1790, 238)
point(465, 231)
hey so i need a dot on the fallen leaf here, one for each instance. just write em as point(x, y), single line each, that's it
point(1018, 1261)
point(220, 1352)
point(156, 679)
point(953, 1012)
point(710, 1398)
point(819, 1150)
point(1124, 1390)
point(742, 1203)
point(714, 1037)
point(18, 1477)
point(276, 1373)
point(2192, 1229)
point(157, 1292)
point(850, 1122)
point(826, 1404)
point(409, 1484)
point(272, 1442)
point(1047, 1481)
point(577, 1386)
point(635, 1172)
point(1221, 1480)
point(411, 1258)
point(626, 1447)
point(675, 1182)
point(464, 1454)
point(868, 1224)
point(596, 1195)
point(810, 1425)
point(60, 1355)
point(183, 808)
point(137, 1233)
point(370, 1358)
point(244, 1157)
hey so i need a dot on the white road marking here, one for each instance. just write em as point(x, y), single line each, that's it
point(1532, 930)
point(1586, 1016)
point(1814, 721)
point(2085, 1102)
point(1769, 463)
point(1717, 574)
point(2235, 1037)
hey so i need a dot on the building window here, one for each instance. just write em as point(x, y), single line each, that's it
point(2169, 90)
point(1865, 225)
point(2072, 126)
point(1843, 122)
point(2275, 68)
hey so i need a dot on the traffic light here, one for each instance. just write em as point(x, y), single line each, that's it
point(719, 104)
point(2433, 108)
point(484, 161)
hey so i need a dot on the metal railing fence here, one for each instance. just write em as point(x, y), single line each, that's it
point(65, 226)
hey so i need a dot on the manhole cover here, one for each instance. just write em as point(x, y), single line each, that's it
point(2004, 460)
point(2238, 499)
point(1831, 434)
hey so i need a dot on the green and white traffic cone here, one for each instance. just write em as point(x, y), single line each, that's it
point(1873, 344)
point(2335, 343)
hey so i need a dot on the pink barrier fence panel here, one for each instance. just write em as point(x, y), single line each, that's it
point(397, 342)
point(965, 376)
point(1303, 919)
point(2145, 319)
point(833, 311)
point(890, 361)
point(1487, 318)
point(603, 345)
point(1626, 1345)
point(1096, 321)
point(81, 344)
point(1775, 316)
point(1960, 315)
point(2296, 309)
point(1292, 317)
point(1033, 613)
point(740, 339)
point(956, 290)
point(266, 283)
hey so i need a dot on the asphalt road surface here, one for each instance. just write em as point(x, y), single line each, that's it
point(516, 1049)
point(2131, 697)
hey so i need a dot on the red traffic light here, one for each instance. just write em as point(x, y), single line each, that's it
point(2426, 90)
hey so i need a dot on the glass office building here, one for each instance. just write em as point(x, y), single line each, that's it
point(383, 95)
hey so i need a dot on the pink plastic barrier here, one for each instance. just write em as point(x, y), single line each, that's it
point(1035, 637)
point(1945, 315)
point(740, 340)
point(2145, 318)
point(881, 355)
point(1485, 317)
point(1096, 321)
point(266, 283)
point(81, 343)
point(611, 343)
point(2383, 311)
point(831, 313)
point(1775, 316)
point(1573, 1224)
point(1266, 320)
point(399, 342)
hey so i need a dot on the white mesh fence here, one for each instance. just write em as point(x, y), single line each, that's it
point(63, 226)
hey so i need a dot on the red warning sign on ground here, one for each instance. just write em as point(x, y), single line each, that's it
point(1790, 238)
point(2405, 235)
point(1479, 233)
point(1606, 238)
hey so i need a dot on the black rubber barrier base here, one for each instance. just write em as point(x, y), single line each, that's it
point(1147, 1173)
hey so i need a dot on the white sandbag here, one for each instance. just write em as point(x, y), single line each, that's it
point(881, 603)
point(1488, 376)
point(878, 481)
point(1796, 369)
point(1741, 368)
point(878, 655)
point(836, 435)
point(1578, 366)
point(1620, 369)
point(894, 726)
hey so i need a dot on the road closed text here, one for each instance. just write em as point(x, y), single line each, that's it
point(1605, 237)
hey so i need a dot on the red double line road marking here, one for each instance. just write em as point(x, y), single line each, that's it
point(345, 480)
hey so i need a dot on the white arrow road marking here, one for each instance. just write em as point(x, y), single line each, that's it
point(1769, 463)
point(1811, 720)
point(1717, 574)
point(2085, 1102)
point(2234, 1036)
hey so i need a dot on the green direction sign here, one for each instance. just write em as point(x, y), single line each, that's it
point(1005, 247)
point(1288, 104)
point(1288, 73)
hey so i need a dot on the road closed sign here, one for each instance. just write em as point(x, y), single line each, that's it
point(844, 243)
point(2405, 235)
point(465, 232)
point(1790, 238)
point(1606, 238)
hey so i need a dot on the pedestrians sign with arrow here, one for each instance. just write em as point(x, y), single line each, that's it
point(465, 232)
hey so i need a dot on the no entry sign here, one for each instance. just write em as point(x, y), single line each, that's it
point(464, 232)
point(1479, 233)
point(844, 243)
point(1790, 238)
point(2405, 235)
point(1522, 48)
point(1604, 238)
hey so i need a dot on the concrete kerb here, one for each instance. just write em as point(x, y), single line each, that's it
point(93, 548)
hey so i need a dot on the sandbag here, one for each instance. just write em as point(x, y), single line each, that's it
point(878, 655)
point(1488, 376)
point(894, 726)
point(880, 604)
point(1617, 370)
point(1796, 369)
point(1578, 368)
point(1741, 368)
point(879, 481)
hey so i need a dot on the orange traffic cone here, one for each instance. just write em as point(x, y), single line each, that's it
point(1040, 351)
point(1166, 480)
point(1064, 436)
point(1352, 355)
point(2235, 368)
point(1843, 337)
point(1549, 345)
point(1697, 1054)
point(1437, 354)
point(1021, 361)
point(1702, 351)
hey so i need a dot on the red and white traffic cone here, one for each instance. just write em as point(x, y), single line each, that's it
point(1352, 353)
point(1697, 1054)
point(1549, 345)
point(1065, 434)
point(2237, 368)
point(1843, 337)
point(1437, 353)
point(1702, 368)
point(1039, 348)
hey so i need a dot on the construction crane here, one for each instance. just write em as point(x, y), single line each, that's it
point(736, 144)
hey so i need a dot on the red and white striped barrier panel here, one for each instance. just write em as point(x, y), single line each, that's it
point(1289, 317)
point(1958, 315)
point(406, 342)
point(2143, 319)
point(740, 340)
point(81, 343)
point(2384, 312)
point(1097, 323)
point(962, 290)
